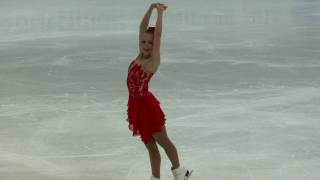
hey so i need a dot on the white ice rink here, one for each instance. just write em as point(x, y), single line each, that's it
point(239, 83)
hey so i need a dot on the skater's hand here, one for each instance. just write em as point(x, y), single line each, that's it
point(153, 5)
point(161, 7)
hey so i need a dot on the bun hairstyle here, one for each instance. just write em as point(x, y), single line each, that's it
point(150, 30)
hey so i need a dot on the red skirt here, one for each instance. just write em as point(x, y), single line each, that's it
point(145, 116)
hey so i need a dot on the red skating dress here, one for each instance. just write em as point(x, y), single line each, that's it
point(145, 115)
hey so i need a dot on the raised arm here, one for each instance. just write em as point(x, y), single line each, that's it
point(157, 36)
point(145, 21)
point(157, 39)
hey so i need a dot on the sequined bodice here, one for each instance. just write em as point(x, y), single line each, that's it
point(137, 80)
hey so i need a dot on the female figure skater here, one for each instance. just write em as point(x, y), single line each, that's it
point(145, 116)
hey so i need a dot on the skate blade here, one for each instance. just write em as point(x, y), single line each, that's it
point(188, 174)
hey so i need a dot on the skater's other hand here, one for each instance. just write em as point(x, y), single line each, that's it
point(153, 5)
point(161, 7)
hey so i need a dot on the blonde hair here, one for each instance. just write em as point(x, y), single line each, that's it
point(150, 30)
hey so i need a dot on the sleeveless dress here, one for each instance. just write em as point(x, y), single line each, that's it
point(145, 115)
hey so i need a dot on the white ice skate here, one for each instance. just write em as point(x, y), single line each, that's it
point(154, 178)
point(181, 173)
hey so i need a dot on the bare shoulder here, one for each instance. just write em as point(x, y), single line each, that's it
point(152, 65)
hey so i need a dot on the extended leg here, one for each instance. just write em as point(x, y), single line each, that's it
point(170, 149)
point(155, 158)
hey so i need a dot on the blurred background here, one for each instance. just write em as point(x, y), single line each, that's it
point(239, 83)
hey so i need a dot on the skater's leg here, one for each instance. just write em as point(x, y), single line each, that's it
point(155, 158)
point(170, 149)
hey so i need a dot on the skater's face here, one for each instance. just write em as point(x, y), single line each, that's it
point(146, 43)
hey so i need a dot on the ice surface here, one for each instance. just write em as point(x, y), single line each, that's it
point(239, 83)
